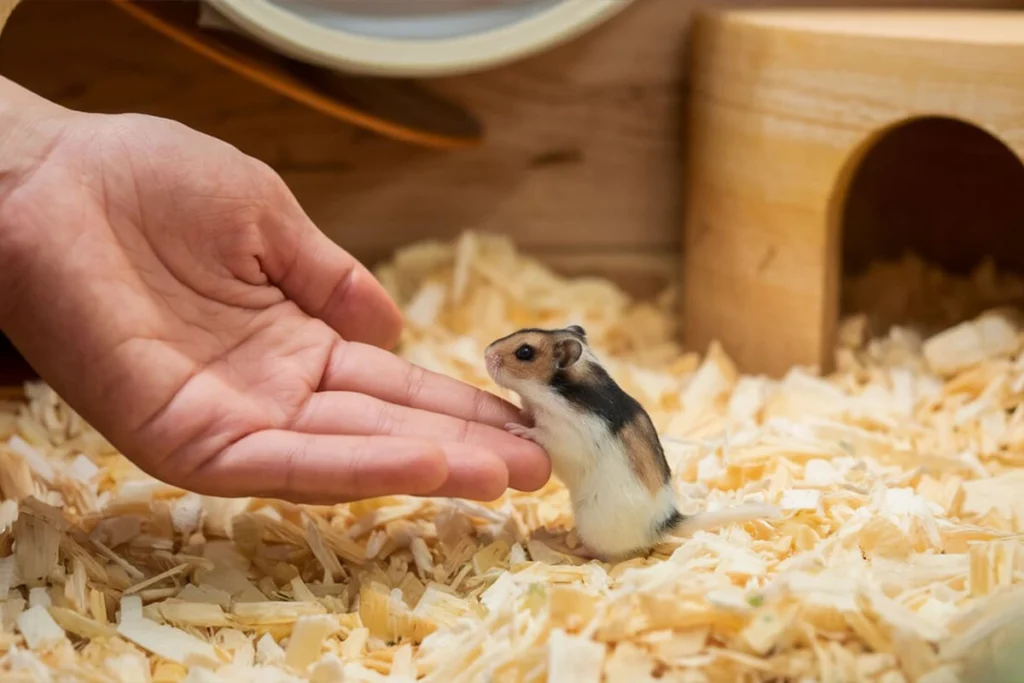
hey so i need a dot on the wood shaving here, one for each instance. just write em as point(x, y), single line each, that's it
point(897, 556)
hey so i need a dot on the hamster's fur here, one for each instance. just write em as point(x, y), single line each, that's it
point(602, 443)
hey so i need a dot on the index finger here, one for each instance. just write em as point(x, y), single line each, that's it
point(369, 370)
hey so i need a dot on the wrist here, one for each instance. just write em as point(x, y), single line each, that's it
point(30, 128)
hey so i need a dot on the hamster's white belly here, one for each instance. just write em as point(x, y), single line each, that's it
point(614, 513)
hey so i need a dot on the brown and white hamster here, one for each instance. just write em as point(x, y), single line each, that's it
point(602, 443)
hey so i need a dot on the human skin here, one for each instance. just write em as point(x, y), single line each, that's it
point(173, 292)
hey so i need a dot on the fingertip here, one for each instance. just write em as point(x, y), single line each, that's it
point(474, 473)
point(327, 468)
point(531, 470)
point(495, 479)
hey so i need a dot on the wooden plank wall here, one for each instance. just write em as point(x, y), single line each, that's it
point(582, 159)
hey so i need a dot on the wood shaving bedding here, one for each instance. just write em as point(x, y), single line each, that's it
point(898, 557)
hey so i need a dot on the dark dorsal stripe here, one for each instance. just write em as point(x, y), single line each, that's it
point(596, 392)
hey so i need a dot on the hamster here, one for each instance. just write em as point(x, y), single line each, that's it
point(602, 443)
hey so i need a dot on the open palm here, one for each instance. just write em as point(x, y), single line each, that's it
point(173, 291)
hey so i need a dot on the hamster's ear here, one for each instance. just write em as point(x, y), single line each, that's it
point(578, 330)
point(567, 352)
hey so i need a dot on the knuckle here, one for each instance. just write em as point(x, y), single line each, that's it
point(336, 296)
point(268, 182)
point(198, 475)
point(462, 431)
point(482, 406)
point(387, 421)
point(291, 458)
point(356, 466)
point(337, 364)
point(415, 379)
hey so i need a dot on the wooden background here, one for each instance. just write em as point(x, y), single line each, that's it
point(582, 157)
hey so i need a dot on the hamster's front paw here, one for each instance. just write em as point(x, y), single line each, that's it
point(521, 431)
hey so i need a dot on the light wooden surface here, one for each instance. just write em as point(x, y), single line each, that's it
point(783, 115)
point(582, 155)
point(6, 7)
point(904, 24)
point(582, 159)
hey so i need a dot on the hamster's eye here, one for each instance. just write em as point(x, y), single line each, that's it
point(525, 352)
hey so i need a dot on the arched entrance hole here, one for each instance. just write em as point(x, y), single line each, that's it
point(938, 191)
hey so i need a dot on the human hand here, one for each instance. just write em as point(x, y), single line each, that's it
point(172, 290)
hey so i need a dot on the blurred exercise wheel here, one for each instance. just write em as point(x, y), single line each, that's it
point(414, 38)
point(396, 109)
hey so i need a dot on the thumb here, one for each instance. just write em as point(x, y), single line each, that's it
point(328, 283)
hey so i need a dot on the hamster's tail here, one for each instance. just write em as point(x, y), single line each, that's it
point(716, 519)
